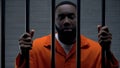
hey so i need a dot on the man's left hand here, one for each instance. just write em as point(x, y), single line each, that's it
point(104, 37)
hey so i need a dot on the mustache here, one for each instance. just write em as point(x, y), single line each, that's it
point(65, 28)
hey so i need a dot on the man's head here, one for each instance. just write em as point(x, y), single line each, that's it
point(65, 19)
point(65, 2)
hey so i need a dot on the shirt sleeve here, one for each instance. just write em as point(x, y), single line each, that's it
point(20, 62)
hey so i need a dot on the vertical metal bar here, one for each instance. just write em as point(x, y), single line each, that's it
point(27, 15)
point(53, 35)
point(103, 12)
point(103, 24)
point(78, 34)
point(3, 34)
point(27, 30)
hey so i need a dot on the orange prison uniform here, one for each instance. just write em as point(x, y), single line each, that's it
point(40, 55)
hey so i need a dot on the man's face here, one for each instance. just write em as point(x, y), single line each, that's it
point(65, 18)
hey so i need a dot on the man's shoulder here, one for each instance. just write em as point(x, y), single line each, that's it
point(92, 43)
point(42, 40)
point(39, 45)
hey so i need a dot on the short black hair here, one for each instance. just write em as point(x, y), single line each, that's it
point(65, 2)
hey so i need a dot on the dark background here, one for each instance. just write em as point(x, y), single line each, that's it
point(40, 20)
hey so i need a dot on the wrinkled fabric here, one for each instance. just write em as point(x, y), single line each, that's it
point(40, 55)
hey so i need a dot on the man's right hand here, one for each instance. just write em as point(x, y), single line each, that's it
point(25, 40)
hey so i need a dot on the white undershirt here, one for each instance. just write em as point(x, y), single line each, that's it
point(66, 48)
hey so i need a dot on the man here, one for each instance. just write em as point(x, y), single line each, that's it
point(65, 42)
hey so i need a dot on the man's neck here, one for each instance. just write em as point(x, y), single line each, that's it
point(66, 47)
point(67, 39)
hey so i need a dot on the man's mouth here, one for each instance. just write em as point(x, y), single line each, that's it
point(67, 29)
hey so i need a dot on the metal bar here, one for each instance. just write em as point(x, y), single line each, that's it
point(103, 58)
point(27, 15)
point(3, 34)
point(53, 35)
point(78, 34)
point(103, 12)
point(27, 30)
point(103, 24)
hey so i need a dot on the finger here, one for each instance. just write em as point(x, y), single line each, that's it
point(99, 27)
point(25, 46)
point(105, 37)
point(103, 33)
point(108, 41)
point(25, 43)
point(28, 39)
point(32, 32)
point(105, 28)
point(25, 35)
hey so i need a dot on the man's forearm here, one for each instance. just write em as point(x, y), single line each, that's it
point(111, 61)
point(20, 61)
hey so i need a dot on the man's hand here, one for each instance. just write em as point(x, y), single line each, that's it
point(104, 37)
point(25, 40)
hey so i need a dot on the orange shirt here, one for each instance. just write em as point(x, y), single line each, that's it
point(40, 55)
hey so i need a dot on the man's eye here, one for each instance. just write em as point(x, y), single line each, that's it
point(61, 17)
point(71, 16)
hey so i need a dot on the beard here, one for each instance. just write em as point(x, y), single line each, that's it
point(66, 36)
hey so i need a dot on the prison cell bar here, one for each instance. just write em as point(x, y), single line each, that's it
point(53, 17)
point(27, 23)
point(78, 39)
point(53, 34)
point(103, 12)
point(103, 24)
point(3, 34)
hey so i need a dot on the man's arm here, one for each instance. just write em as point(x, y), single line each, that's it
point(20, 61)
point(104, 38)
point(111, 61)
point(25, 41)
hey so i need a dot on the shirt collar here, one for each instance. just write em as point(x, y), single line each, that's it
point(84, 42)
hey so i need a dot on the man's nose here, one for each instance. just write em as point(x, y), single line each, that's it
point(66, 21)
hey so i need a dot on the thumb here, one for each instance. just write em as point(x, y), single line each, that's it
point(99, 28)
point(32, 32)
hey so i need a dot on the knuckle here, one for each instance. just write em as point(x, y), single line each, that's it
point(25, 46)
